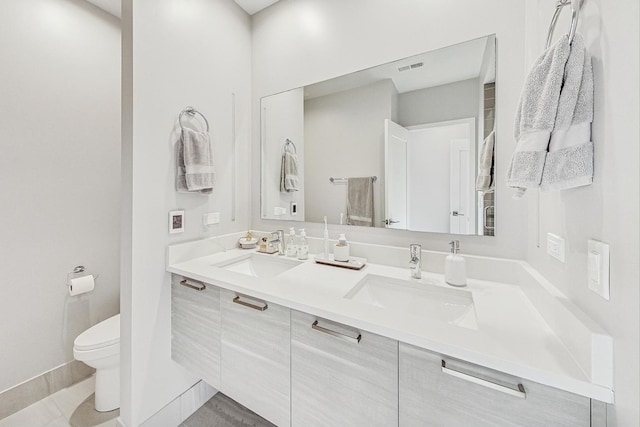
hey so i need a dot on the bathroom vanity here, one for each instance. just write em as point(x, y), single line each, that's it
point(305, 344)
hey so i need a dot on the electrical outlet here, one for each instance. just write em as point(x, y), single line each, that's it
point(211, 218)
point(555, 246)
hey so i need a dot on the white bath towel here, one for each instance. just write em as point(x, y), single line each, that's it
point(484, 181)
point(553, 132)
point(569, 161)
point(195, 171)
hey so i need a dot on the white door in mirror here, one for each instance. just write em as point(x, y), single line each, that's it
point(598, 268)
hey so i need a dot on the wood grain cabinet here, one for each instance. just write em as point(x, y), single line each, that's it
point(458, 394)
point(195, 328)
point(341, 376)
point(256, 339)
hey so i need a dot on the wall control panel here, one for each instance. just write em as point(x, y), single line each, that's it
point(598, 268)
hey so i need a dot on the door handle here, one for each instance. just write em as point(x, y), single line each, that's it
point(456, 213)
point(336, 334)
point(262, 307)
point(189, 283)
point(518, 391)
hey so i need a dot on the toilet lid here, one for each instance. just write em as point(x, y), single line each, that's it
point(103, 334)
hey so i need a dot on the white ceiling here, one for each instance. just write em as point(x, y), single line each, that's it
point(250, 6)
point(455, 63)
point(254, 6)
point(110, 6)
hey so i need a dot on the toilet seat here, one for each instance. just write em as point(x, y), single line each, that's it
point(100, 336)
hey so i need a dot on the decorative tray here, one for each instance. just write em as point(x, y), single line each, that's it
point(354, 263)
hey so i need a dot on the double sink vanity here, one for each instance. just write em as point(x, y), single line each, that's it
point(302, 343)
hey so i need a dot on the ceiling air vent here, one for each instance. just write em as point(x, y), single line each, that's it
point(411, 67)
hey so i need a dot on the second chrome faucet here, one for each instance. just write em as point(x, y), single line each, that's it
point(415, 262)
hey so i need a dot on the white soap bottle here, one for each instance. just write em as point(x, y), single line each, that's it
point(455, 268)
point(291, 250)
point(303, 246)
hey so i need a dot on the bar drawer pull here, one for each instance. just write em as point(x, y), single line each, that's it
point(519, 392)
point(262, 307)
point(337, 334)
point(198, 286)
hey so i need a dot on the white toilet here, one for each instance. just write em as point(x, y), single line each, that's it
point(99, 347)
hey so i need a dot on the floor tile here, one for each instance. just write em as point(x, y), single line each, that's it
point(37, 415)
point(58, 422)
point(68, 399)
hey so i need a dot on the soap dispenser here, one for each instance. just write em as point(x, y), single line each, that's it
point(341, 250)
point(292, 250)
point(455, 269)
point(303, 246)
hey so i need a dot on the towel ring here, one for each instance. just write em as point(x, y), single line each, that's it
point(574, 19)
point(287, 143)
point(192, 112)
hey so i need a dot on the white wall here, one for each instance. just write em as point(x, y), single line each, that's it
point(282, 118)
point(335, 38)
point(60, 176)
point(608, 209)
point(452, 101)
point(176, 53)
point(344, 137)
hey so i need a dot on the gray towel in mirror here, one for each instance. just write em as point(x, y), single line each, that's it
point(288, 172)
point(360, 201)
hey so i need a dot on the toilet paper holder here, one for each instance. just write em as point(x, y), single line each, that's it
point(77, 270)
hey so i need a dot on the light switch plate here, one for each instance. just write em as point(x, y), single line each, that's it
point(294, 208)
point(278, 211)
point(211, 218)
point(555, 246)
point(598, 268)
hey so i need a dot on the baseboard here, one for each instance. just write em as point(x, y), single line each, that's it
point(180, 408)
point(29, 392)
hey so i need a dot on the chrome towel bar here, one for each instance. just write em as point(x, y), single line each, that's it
point(345, 180)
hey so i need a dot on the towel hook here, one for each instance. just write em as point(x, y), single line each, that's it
point(191, 112)
point(287, 143)
point(574, 19)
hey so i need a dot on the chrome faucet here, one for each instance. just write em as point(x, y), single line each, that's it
point(415, 263)
point(278, 240)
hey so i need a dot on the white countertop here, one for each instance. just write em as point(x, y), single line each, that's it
point(511, 334)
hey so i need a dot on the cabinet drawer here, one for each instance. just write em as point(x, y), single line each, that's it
point(256, 342)
point(462, 395)
point(337, 381)
point(195, 329)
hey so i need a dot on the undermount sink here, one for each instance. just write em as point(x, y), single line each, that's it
point(454, 306)
point(258, 265)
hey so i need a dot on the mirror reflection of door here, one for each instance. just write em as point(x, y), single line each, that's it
point(441, 170)
point(461, 190)
point(396, 139)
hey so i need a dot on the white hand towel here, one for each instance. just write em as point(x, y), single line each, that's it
point(195, 163)
point(484, 181)
point(535, 118)
point(569, 161)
